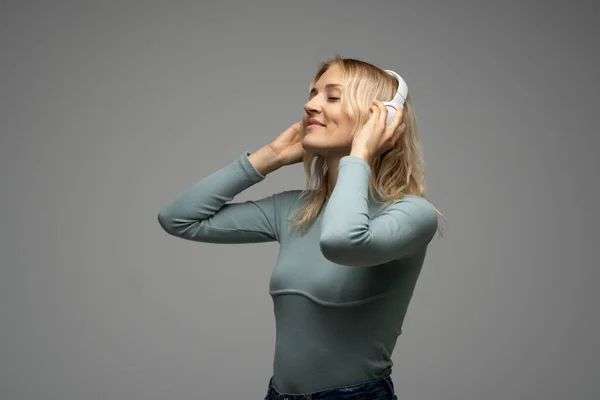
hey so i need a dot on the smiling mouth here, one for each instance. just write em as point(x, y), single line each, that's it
point(312, 126)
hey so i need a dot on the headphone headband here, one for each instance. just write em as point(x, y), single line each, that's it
point(402, 91)
point(399, 98)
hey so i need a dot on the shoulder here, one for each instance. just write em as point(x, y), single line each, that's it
point(292, 200)
point(289, 195)
point(287, 198)
point(292, 196)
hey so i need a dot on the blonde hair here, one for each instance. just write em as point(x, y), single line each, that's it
point(397, 172)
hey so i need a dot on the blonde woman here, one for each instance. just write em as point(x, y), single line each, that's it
point(351, 245)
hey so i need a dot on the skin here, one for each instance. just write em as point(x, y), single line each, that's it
point(332, 140)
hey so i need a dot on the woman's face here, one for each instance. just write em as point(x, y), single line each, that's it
point(325, 106)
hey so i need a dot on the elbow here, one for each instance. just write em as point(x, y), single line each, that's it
point(339, 250)
point(329, 248)
point(178, 226)
point(164, 221)
point(167, 223)
point(332, 242)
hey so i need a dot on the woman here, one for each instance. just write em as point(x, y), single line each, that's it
point(349, 261)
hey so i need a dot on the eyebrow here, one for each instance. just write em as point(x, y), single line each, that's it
point(326, 87)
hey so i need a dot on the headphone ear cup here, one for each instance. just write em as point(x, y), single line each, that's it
point(391, 111)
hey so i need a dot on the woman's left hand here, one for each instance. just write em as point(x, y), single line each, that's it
point(376, 138)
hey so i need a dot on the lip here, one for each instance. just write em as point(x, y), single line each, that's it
point(313, 121)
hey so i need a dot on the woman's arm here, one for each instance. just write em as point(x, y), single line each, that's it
point(350, 237)
point(201, 214)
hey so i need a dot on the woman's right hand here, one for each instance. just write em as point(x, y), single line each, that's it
point(288, 145)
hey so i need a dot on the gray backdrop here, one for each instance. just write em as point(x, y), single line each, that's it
point(110, 109)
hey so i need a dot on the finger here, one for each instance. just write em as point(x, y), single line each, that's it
point(401, 129)
point(398, 133)
point(400, 115)
point(395, 129)
point(397, 118)
point(374, 113)
point(383, 112)
point(376, 106)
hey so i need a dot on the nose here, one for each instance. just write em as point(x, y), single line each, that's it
point(311, 106)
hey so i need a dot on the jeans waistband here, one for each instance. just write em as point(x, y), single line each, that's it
point(377, 387)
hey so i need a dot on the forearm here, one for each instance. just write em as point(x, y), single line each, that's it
point(202, 211)
point(264, 160)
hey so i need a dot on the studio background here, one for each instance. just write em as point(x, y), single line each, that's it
point(109, 110)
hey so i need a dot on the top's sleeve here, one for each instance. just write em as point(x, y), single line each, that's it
point(201, 214)
point(350, 237)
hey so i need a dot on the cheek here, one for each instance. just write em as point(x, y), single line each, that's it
point(346, 127)
point(341, 135)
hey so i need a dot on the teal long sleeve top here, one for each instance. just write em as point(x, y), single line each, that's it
point(341, 290)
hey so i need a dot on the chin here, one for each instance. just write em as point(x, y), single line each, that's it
point(314, 143)
point(318, 144)
point(325, 150)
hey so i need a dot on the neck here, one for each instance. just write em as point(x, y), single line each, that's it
point(332, 172)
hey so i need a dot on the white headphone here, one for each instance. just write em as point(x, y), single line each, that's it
point(398, 100)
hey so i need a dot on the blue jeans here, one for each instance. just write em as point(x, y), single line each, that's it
point(378, 389)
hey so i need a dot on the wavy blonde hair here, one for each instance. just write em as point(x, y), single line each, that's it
point(395, 173)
